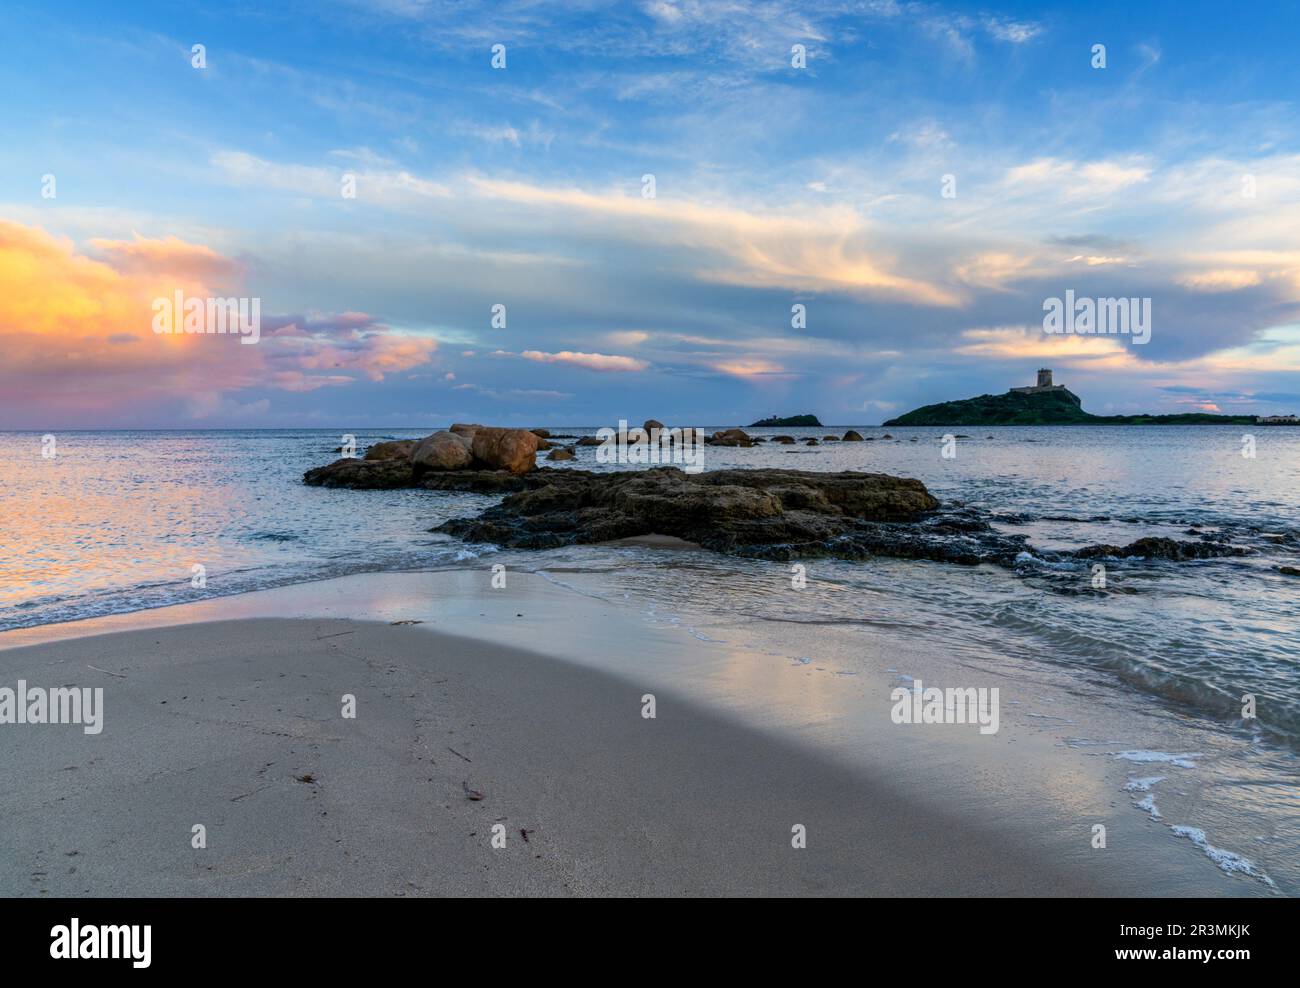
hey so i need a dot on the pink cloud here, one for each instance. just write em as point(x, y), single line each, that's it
point(591, 361)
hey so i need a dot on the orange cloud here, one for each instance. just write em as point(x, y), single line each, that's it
point(749, 367)
point(77, 343)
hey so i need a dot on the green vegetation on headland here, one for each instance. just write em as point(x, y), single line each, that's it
point(791, 420)
point(1059, 407)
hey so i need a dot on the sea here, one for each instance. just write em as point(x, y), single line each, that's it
point(99, 523)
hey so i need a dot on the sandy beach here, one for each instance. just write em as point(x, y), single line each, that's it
point(237, 726)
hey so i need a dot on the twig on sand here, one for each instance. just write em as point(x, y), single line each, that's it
point(458, 754)
point(105, 671)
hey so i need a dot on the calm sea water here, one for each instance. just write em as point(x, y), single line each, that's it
point(117, 522)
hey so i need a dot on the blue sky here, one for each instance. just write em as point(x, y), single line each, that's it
point(522, 186)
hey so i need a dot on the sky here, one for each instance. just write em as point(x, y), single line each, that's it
point(648, 190)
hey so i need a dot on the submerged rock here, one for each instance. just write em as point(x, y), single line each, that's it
point(1162, 548)
point(561, 453)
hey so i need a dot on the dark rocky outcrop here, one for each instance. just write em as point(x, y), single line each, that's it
point(772, 512)
point(482, 481)
point(364, 474)
point(767, 513)
point(852, 437)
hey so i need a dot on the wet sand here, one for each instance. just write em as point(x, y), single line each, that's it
point(216, 711)
point(237, 726)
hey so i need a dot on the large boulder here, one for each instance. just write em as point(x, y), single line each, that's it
point(852, 437)
point(391, 449)
point(514, 450)
point(561, 453)
point(441, 451)
point(464, 429)
point(541, 433)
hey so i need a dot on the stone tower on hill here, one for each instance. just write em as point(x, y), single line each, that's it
point(1044, 384)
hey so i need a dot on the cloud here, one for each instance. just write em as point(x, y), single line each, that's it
point(392, 189)
point(1013, 32)
point(749, 367)
point(627, 337)
point(815, 248)
point(78, 343)
point(1075, 180)
point(533, 134)
point(1220, 281)
point(591, 361)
